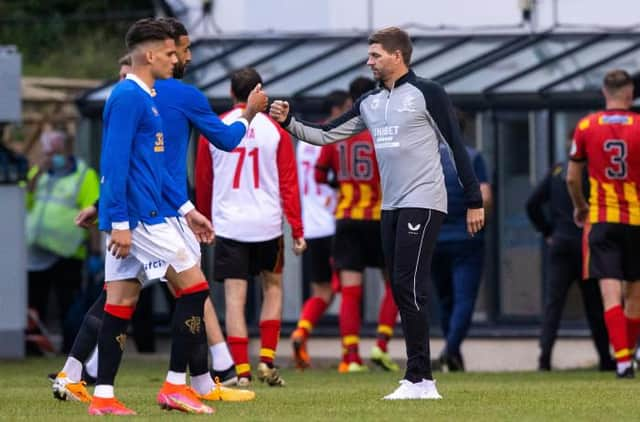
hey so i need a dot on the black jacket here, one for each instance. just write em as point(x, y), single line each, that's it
point(552, 192)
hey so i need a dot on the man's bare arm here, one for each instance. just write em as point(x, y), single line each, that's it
point(574, 185)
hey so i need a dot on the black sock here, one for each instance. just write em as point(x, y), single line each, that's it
point(111, 342)
point(87, 337)
point(189, 335)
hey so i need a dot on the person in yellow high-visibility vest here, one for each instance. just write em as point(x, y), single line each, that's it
point(57, 188)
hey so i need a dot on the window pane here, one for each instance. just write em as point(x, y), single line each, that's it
point(421, 48)
point(592, 80)
point(519, 245)
point(295, 57)
point(204, 51)
point(241, 58)
point(457, 56)
point(537, 79)
point(320, 69)
point(340, 82)
point(501, 69)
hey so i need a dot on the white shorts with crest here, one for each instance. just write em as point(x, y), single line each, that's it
point(153, 249)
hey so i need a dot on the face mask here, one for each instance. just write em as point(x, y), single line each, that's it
point(58, 161)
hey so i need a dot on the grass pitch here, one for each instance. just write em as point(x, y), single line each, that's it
point(325, 395)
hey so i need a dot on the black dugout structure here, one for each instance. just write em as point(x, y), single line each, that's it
point(521, 94)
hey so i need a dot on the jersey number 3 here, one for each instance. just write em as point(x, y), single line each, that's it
point(618, 169)
point(253, 154)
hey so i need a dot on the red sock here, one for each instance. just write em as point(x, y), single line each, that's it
point(269, 336)
point(386, 318)
point(335, 282)
point(312, 310)
point(350, 322)
point(633, 332)
point(196, 288)
point(122, 312)
point(617, 327)
point(239, 348)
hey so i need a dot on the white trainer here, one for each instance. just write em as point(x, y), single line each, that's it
point(423, 390)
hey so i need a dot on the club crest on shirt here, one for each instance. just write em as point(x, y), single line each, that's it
point(159, 145)
point(375, 103)
point(408, 104)
point(155, 111)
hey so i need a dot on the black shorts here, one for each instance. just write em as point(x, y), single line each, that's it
point(317, 259)
point(613, 251)
point(357, 244)
point(243, 260)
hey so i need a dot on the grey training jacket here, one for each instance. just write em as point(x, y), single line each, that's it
point(407, 123)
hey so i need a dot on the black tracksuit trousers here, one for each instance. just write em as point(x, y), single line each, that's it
point(409, 236)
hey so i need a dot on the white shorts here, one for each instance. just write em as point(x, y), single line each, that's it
point(153, 249)
point(181, 226)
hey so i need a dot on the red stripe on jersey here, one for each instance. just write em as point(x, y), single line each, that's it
point(288, 182)
point(354, 164)
point(609, 141)
point(623, 203)
point(355, 199)
point(601, 204)
point(374, 206)
point(204, 178)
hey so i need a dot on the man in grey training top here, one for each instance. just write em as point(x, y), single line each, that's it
point(408, 117)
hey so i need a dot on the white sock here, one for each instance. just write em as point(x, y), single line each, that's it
point(622, 366)
point(91, 366)
point(220, 356)
point(73, 369)
point(202, 383)
point(177, 378)
point(103, 391)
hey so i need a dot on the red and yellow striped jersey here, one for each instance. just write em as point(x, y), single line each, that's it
point(354, 164)
point(610, 143)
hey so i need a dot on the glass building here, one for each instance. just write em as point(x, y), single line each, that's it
point(522, 94)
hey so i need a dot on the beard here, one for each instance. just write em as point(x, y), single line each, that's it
point(179, 70)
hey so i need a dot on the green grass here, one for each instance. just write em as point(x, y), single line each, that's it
point(326, 395)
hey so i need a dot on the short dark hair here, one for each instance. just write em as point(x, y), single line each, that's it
point(177, 28)
point(243, 81)
point(125, 60)
point(392, 39)
point(335, 98)
point(616, 79)
point(147, 29)
point(359, 86)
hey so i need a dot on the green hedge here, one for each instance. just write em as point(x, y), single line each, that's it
point(79, 39)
